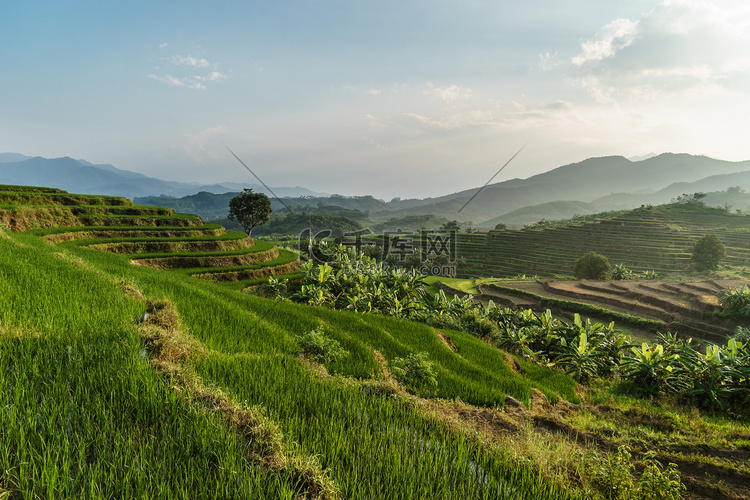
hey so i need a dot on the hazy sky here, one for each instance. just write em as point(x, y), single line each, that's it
point(407, 98)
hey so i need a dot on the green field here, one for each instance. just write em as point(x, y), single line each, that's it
point(656, 238)
point(137, 381)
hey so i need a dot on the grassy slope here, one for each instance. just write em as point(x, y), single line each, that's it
point(372, 439)
point(125, 414)
point(85, 414)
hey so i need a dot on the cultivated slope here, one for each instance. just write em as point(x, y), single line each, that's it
point(151, 236)
point(647, 239)
point(130, 381)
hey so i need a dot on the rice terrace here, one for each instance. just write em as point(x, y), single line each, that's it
point(147, 354)
point(375, 250)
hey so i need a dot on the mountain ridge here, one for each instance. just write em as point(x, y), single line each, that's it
point(84, 177)
point(592, 185)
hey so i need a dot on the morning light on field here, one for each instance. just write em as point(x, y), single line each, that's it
point(375, 250)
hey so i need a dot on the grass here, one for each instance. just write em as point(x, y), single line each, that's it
point(208, 397)
point(85, 414)
point(252, 341)
point(394, 453)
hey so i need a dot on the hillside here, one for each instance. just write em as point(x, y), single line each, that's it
point(216, 206)
point(651, 238)
point(585, 181)
point(128, 377)
point(553, 210)
point(204, 387)
point(592, 186)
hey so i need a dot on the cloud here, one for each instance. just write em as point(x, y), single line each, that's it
point(679, 47)
point(190, 61)
point(548, 61)
point(189, 72)
point(448, 94)
point(372, 142)
point(458, 119)
point(204, 145)
point(374, 122)
point(613, 37)
point(168, 79)
point(375, 91)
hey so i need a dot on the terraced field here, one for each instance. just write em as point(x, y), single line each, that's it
point(149, 236)
point(138, 381)
point(686, 307)
point(647, 239)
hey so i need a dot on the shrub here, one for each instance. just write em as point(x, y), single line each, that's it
point(652, 371)
point(592, 266)
point(275, 287)
point(323, 349)
point(741, 335)
point(415, 371)
point(657, 483)
point(736, 303)
point(612, 474)
point(620, 272)
point(476, 323)
point(707, 252)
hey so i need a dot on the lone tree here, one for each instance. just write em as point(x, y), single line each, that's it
point(707, 252)
point(452, 225)
point(249, 209)
point(592, 266)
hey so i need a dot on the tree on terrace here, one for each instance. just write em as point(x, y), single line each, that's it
point(707, 252)
point(250, 209)
point(592, 266)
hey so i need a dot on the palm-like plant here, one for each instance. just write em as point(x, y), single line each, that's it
point(652, 370)
point(581, 359)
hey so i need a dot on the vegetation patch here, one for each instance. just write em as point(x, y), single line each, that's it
point(263, 270)
point(173, 245)
point(216, 401)
point(188, 261)
point(173, 353)
point(583, 308)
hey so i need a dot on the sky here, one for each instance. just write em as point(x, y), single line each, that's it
point(393, 98)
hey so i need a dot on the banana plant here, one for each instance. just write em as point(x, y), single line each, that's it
point(581, 359)
point(516, 340)
point(652, 371)
point(716, 376)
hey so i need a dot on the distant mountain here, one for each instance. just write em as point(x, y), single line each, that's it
point(12, 157)
point(641, 158)
point(709, 184)
point(552, 210)
point(590, 186)
point(80, 176)
point(588, 181)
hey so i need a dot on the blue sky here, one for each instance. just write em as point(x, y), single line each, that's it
point(391, 98)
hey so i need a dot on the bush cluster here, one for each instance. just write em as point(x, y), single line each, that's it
point(592, 266)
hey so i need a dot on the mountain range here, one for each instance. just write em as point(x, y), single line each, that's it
point(590, 186)
point(80, 176)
